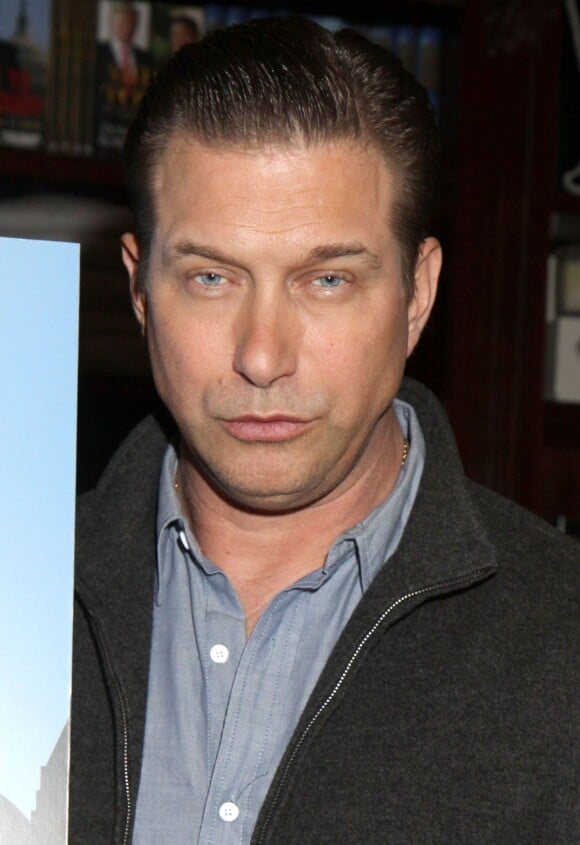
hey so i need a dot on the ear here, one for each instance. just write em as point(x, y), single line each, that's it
point(427, 272)
point(130, 255)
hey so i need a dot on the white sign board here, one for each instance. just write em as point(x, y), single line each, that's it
point(39, 303)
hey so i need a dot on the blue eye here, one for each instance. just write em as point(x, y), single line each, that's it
point(329, 281)
point(210, 279)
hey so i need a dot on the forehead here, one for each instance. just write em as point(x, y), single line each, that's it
point(277, 189)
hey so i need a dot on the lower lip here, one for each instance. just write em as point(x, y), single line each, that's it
point(273, 431)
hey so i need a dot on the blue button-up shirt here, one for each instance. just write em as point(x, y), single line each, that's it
point(221, 708)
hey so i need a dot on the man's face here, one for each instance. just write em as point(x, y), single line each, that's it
point(179, 34)
point(123, 25)
point(275, 315)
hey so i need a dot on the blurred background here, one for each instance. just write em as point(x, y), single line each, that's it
point(503, 348)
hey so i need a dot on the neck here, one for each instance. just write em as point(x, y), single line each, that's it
point(264, 553)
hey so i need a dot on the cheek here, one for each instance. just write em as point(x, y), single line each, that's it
point(173, 360)
point(366, 354)
point(190, 360)
point(180, 341)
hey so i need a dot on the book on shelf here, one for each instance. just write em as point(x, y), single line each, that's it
point(383, 35)
point(173, 26)
point(428, 60)
point(330, 22)
point(25, 27)
point(563, 324)
point(80, 68)
point(215, 16)
point(405, 46)
point(57, 101)
point(71, 108)
point(568, 158)
point(123, 70)
point(88, 47)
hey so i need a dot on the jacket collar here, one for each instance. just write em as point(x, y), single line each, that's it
point(115, 567)
point(444, 547)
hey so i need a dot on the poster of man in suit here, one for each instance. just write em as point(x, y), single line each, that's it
point(123, 69)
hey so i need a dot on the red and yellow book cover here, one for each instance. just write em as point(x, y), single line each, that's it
point(24, 59)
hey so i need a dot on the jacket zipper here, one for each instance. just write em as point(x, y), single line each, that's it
point(125, 732)
point(472, 576)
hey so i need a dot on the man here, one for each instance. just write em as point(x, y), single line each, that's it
point(122, 73)
point(296, 620)
point(120, 51)
point(182, 30)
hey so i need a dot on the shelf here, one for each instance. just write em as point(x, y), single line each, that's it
point(60, 169)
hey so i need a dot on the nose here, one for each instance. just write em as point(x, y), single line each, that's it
point(267, 339)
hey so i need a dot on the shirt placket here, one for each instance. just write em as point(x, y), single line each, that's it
point(253, 714)
point(222, 643)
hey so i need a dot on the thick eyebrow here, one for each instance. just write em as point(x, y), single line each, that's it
point(184, 248)
point(324, 252)
point(328, 252)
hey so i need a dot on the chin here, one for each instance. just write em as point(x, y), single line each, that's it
point(266, 499)
point(273, 478)
point(267, 495)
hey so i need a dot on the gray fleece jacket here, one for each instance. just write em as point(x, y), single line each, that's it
point(447, 713)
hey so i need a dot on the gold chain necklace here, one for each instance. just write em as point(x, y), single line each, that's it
point(405, 452)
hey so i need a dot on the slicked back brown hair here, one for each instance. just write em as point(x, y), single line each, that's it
point(285, 80)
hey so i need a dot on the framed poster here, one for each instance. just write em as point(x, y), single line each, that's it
point(39, 303)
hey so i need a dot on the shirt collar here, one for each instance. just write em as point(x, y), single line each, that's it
point(170, 515)
point(374, 539)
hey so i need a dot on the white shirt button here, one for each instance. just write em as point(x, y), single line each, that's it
point(229, 811)
point(219, 654)
point(183, 541)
